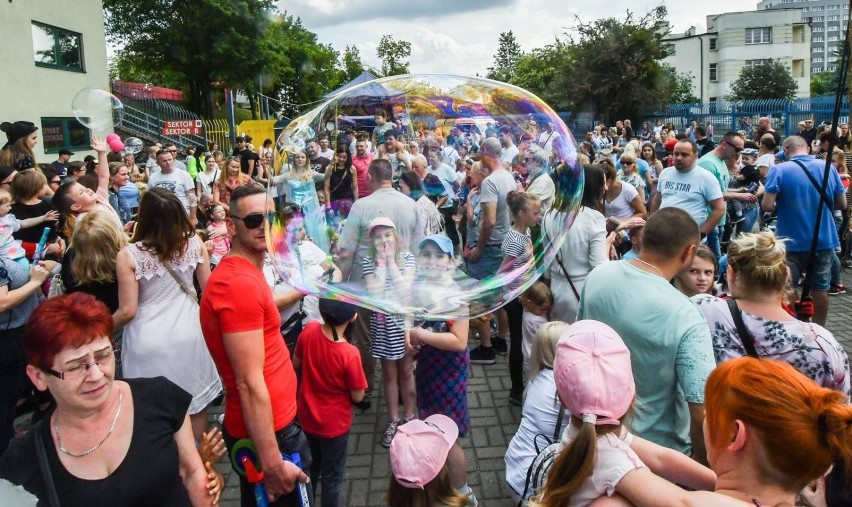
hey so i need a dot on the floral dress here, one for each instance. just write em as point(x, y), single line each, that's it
point(441, 381)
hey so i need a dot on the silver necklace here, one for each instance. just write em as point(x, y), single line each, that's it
point(95, 448)
point(637, 259)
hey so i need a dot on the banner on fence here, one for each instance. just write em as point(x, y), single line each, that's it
point(183, 128)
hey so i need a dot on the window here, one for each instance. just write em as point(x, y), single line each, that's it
point(750, 64)
point(713, 44)
point(758, 35)
point(817, 39)
point(834, 18)
point(817, 19)
point(670, 49)
point(713, 76)
point(57, 48)
point(832, 8)
point(816, 59)
point(816, 8)
point(64, 133)
point(832, 38)
point(815, 28)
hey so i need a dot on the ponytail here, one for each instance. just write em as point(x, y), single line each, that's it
point(571, 469)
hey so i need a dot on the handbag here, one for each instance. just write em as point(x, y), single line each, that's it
point(186, 290)
point(745, 335)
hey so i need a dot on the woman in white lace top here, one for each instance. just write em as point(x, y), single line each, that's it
point(158, 303)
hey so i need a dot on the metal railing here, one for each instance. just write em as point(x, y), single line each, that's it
point(783, 114)
point(144, 119)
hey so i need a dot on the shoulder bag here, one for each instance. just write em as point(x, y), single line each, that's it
point(44, 466)
point(186, 290)
point(745, 335)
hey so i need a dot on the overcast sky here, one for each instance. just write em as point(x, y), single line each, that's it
point(460, 36)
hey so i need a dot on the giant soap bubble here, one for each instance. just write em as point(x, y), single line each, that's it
point(97, 109)
point(385, 268)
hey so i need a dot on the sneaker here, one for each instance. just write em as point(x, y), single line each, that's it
point(737, 219)
point(500, 345)
point(837, 289)
point(390, 432)
point(482, 355)
point(408, 419)
point(846, 263)
point(516, 398)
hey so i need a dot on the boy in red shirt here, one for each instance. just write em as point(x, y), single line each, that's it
point(332, 380)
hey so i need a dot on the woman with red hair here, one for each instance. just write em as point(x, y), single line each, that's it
point(129, 441)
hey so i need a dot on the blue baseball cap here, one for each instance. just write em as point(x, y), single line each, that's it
point(444, 244)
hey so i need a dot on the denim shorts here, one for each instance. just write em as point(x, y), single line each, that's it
point(487, 264)
point(821, 276)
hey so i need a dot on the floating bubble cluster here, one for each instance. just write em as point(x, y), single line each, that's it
point(325, 245)
point(97, 109)
point(133, 145)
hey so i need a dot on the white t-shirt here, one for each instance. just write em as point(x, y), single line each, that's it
point(539, 414)
point(531, 323)
point(613, 460)
point(620, 206)
point(447, 175)
point(766, 160)
point(206, 181)
point(690, 191)
point(509, 155)
point(179, 182)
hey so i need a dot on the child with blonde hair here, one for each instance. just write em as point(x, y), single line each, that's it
point(9, 246)
point(536, 301)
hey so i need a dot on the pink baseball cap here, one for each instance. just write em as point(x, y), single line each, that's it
point(380, 222)
point(593, 374)
point(420, 448)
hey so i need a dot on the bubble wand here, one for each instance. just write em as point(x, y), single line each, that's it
point(42, 243)
point(245, 462)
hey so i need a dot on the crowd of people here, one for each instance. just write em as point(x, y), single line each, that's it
point(661, 349)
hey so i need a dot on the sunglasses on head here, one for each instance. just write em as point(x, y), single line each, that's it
point(254, 220)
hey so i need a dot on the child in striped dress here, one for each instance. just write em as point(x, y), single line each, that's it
point(388, 273)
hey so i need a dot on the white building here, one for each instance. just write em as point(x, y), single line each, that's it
point(51, 49)
point(828, 20)
point(738, 39)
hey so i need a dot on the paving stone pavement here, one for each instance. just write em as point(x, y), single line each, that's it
point(493, 423)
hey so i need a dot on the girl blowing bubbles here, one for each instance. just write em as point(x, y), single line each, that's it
point(388, 273)
point(594, 381)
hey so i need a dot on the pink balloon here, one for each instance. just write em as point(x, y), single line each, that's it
point(116, 145)
point(112, 137)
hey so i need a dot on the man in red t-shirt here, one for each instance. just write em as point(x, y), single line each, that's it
point(241, 326)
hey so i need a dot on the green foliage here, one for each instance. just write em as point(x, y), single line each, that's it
point(352, 64)
point(540, 71)
point(770, 80)
point(679, 86)
point(506, 59)
point(824, 83)
point(393, 54)
point(205, 45)
point(609, 67)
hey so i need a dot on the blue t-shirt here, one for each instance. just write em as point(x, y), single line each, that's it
point(797, 201)
point(690, 191)
point(671, 349)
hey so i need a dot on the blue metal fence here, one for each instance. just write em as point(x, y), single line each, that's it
point(784, 114)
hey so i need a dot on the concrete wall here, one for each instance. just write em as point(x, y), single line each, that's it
point(29, 92)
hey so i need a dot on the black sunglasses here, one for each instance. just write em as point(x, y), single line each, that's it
point(254, 220)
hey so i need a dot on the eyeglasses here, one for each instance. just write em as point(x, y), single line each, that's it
point(255, 220)
point(80, 370)
point(736, 149)
point(628, 163)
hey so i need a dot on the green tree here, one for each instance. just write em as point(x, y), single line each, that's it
point(352, 64)
point(506, 59)
point(540, 71)
point(824, 83)
point(393, 54)
point(609, 67)
point(769, 80)
point(679, 86)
